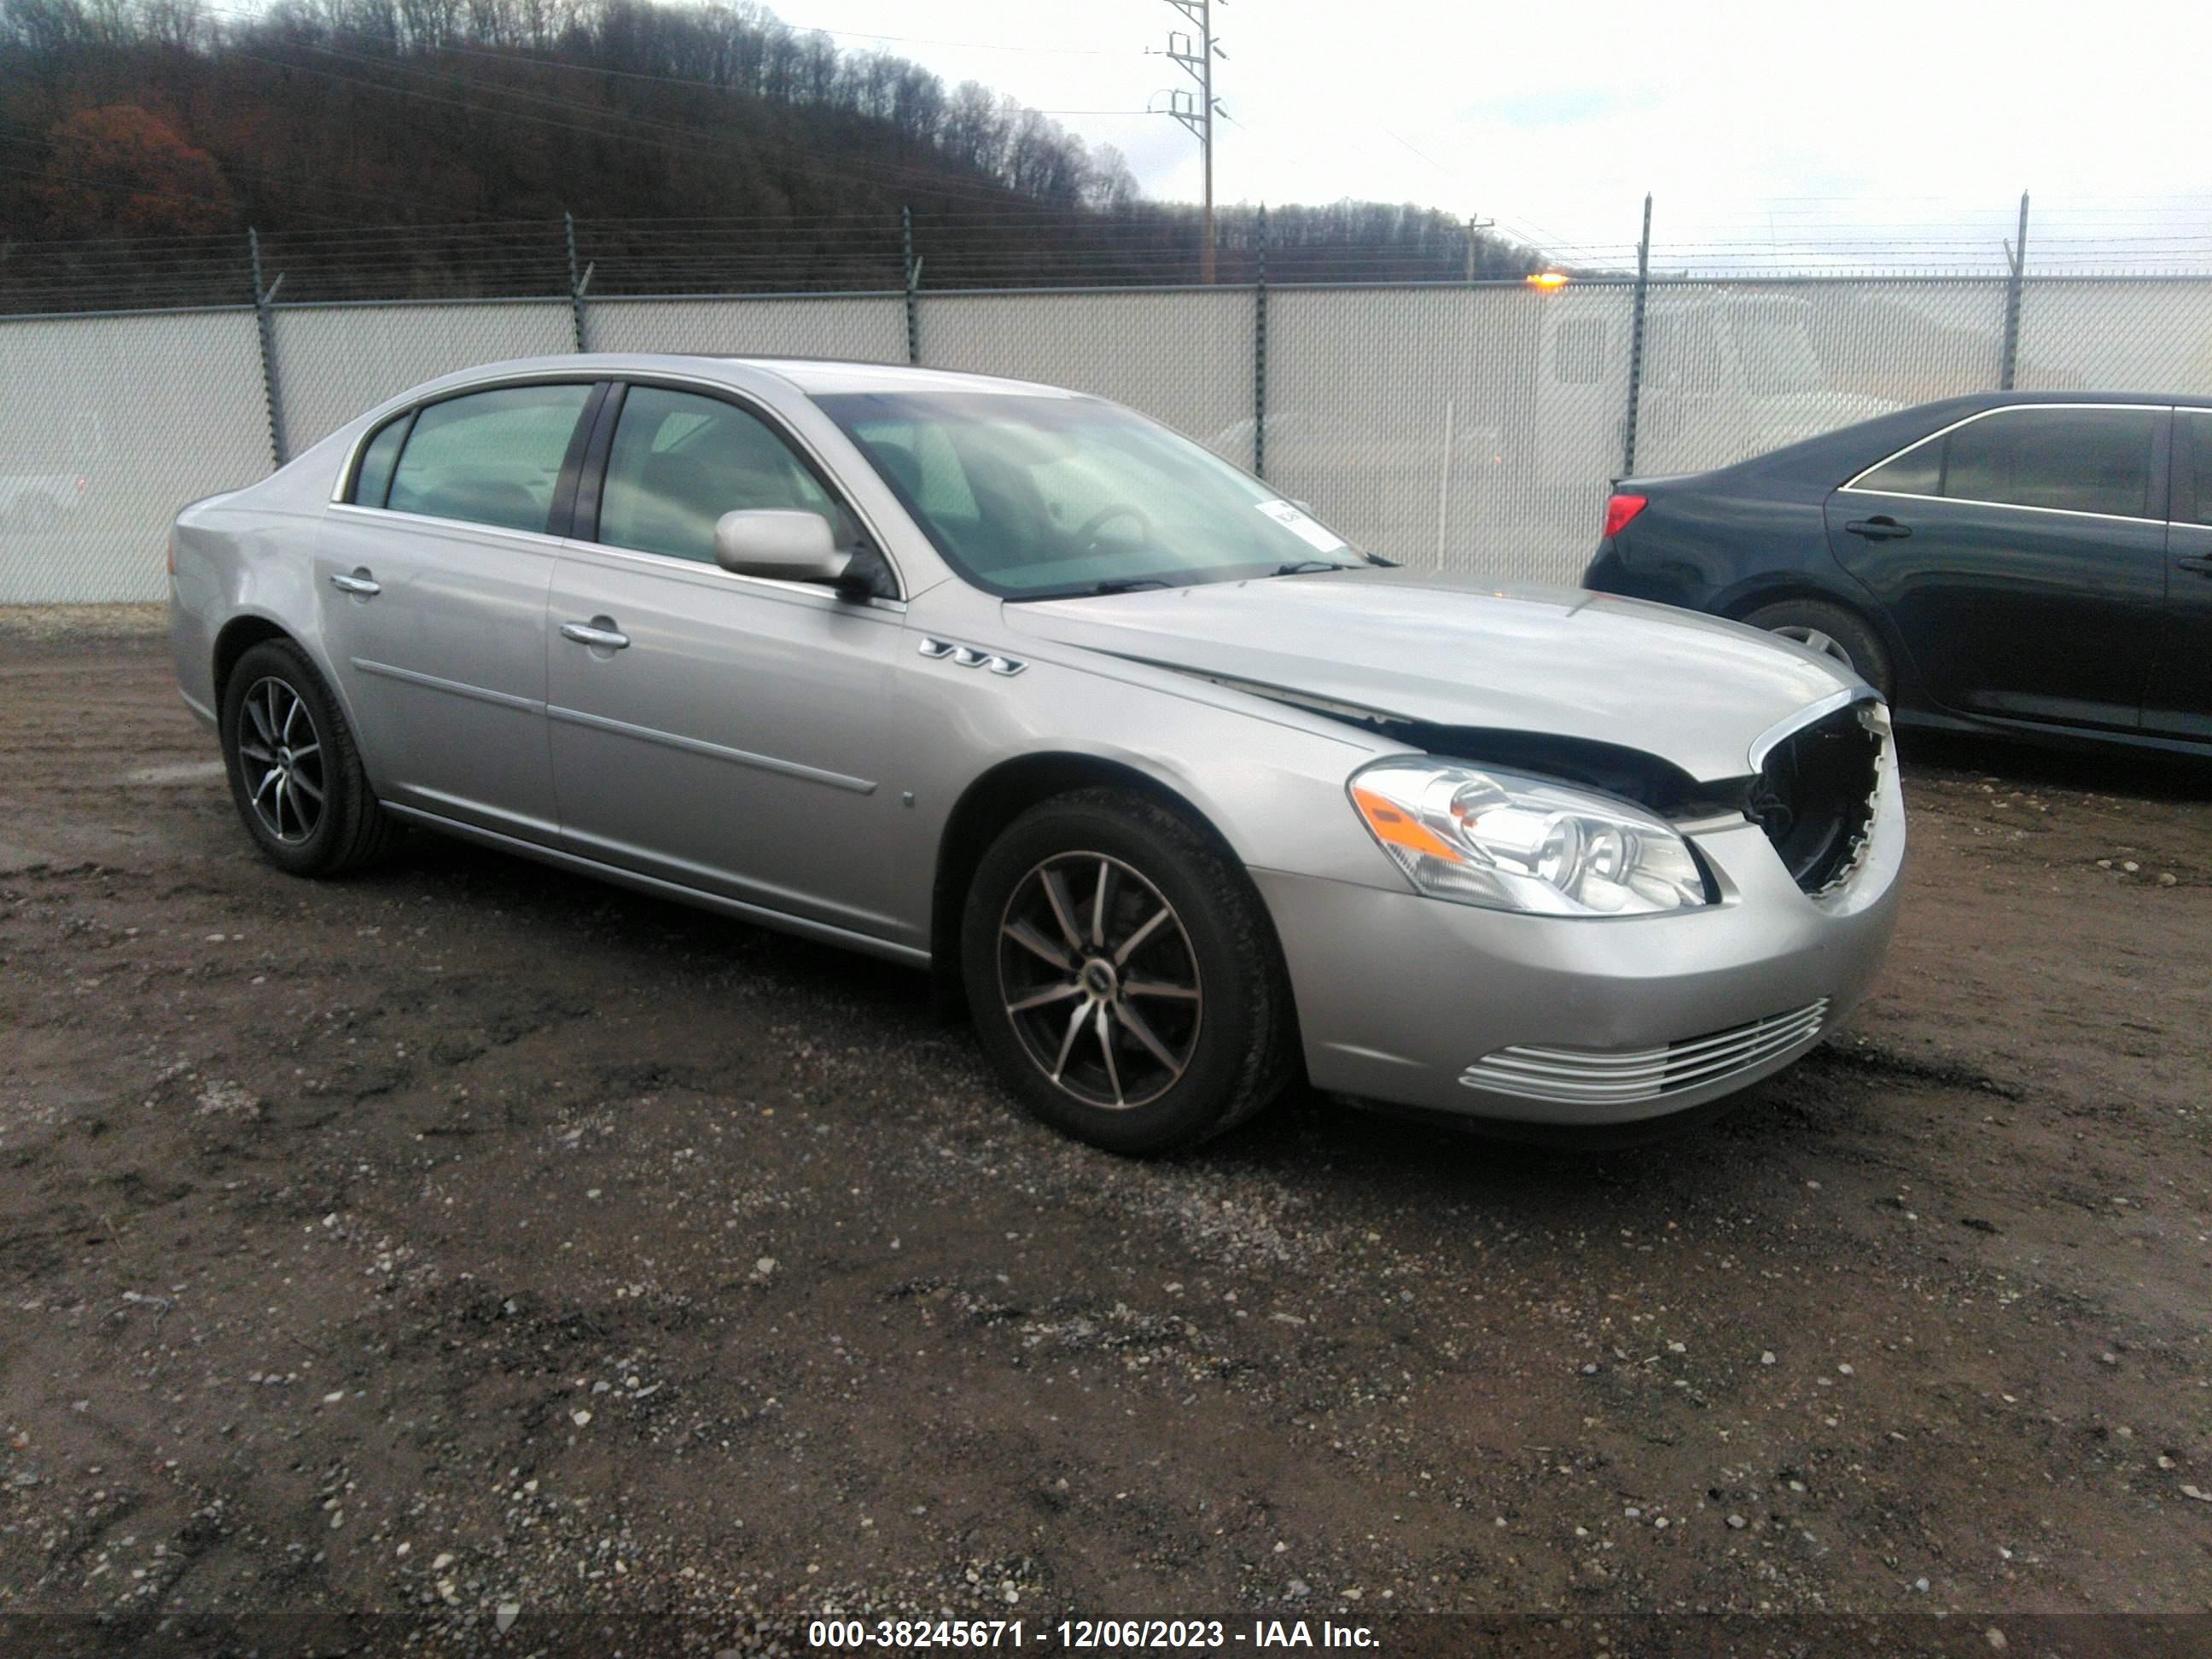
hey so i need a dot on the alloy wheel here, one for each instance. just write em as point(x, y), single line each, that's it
point(1099, 979)
point(281, 755)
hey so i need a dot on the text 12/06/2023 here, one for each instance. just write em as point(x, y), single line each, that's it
point(1084, 1635)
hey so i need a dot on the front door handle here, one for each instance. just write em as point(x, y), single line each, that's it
point(592, 634)
point(361, 584)
point(1880, 528)
point(2202, 566)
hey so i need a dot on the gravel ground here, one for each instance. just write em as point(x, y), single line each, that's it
point(463, 1237)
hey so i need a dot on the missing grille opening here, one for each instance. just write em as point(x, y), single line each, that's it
point(1815, 796)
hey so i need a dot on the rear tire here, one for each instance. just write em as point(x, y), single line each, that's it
point(1834, 632)
point(295, 774)
point(1147, 1023)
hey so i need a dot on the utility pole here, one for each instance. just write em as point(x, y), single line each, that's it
point(1476, 224)
point(1197, 61)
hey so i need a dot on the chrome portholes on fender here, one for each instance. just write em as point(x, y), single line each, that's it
point(1099, 978)
point(281, 753)
point(968, 656)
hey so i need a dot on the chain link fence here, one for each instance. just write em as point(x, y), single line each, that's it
point(1466, 429)
point(2096, 334)
point(867, 328)
point(107, 426)
point(1730, 371)
point(334, 361)
point(1183, 356)
point(1474, 428)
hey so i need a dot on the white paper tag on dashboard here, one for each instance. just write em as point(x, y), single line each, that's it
point(1310, 530)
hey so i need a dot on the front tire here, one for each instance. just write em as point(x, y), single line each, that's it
point(1122, 974)
point(1833, 632)
point(295, 774)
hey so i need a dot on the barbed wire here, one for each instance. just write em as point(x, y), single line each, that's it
point(997, 247)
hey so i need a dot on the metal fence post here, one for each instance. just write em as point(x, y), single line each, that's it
point(1636, 340)
point(2008, 365)
point(912, 287)
point(265, 327)
point(576, 283)
point(1260, 356)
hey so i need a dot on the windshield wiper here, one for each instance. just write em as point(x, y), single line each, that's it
point(1305, 567)
point(1116, 585)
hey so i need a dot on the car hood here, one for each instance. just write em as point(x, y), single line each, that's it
point(1693, 690)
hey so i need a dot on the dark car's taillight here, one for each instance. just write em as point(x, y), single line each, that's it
point(1619, 510)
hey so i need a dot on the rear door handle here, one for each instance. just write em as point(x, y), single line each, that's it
point(2202, 566)
point(1880, 528)
point(360, 584)
point(605, 639)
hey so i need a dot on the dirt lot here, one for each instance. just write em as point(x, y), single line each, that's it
point(466, 1235)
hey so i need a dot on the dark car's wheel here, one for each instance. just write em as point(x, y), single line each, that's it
point(1833, 631)
point(293, 770)
point(1122, 974)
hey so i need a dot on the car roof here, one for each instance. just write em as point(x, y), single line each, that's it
point(824, 376)
point(1826, 458)
point(810, 377)
point(1968, 403)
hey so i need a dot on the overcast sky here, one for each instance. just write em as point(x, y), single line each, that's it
point(1906, 127)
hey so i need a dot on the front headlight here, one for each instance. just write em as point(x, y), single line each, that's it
point(1511, 842)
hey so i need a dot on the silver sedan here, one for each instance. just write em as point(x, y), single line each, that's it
point(1178, 793)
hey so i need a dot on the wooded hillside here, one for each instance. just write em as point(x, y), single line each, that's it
point(390, 148)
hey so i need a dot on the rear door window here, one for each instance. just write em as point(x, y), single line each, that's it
point(490, 458)
point(2066, 459)
point(2073, 461)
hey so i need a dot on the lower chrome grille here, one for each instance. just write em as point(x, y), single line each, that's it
point(1623, 1076)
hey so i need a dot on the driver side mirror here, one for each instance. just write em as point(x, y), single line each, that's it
point(780, 545)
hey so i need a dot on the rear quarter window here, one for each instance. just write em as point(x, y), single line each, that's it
point(489, 458)
point(372, 479)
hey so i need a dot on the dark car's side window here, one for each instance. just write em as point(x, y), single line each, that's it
point(2078, 460)
point(490, 458)
point(1918, 471)
point(2192, 464)
point(372, 479)
point(679, 461)
point(2071, 459)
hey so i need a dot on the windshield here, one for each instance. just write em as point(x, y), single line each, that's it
point(1037, 497)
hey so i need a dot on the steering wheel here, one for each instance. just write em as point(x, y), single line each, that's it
point(1087, 537)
